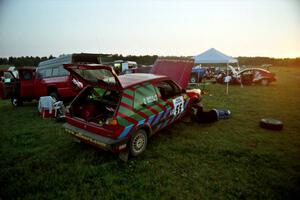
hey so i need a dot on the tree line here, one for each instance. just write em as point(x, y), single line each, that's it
point(105, 58)
point(258, 61)
point(150, 59)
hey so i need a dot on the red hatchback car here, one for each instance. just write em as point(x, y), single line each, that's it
point(120, 113)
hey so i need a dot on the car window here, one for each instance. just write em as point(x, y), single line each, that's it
point(63, 72)
point(26, 75)
point(168, 89)
point(100, 75)
point(52, 72)
point(41, 73)
point(7, 77)
point(55, 71)
point(96, 93)
point(48, 73)
point(144, 95)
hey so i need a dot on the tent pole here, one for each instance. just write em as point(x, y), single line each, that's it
point(227, 84)
point(240, 77)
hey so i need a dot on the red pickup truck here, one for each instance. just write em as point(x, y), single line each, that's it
point(48, 79)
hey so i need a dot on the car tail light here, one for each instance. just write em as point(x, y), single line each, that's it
point(112, 124)
point(111, 121)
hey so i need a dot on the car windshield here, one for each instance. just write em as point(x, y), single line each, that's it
point(99, 75)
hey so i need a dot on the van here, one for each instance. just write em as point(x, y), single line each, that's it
point(53, 80)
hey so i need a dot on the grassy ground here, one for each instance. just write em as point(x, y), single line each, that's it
point(230, 159)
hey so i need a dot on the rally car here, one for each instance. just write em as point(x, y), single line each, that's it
point(256, 76)
point(247, 76)
point(120, 113)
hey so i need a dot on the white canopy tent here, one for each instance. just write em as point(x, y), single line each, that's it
point(213, 56)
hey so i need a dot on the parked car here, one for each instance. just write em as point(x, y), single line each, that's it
point(248, 76)
point(197, 74)
point(256, 76)
point(200, 73)
point(120, 113)
point(48, 79)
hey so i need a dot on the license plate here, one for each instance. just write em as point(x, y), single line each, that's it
point(81, 136)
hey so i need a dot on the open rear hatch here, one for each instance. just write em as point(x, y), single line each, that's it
point(98, 101)
point(95, 75)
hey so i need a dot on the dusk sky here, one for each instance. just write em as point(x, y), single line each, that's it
point(140, 27)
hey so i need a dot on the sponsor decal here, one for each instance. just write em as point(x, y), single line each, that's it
point(150, 99)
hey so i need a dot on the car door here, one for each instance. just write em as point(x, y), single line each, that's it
point(8, 84)
point(171, 101)
point(149, 108)
point(27, 77)
point(145, 108)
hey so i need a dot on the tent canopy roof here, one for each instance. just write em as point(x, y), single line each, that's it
point(214, 56)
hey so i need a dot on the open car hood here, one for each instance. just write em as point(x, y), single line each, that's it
point(179, 70)
point(96, 75)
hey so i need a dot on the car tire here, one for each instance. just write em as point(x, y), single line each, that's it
point(138, 142)
point(54, 95)
point(264, 82)
point(272, 124)
point(193, 79)
point(16, 101)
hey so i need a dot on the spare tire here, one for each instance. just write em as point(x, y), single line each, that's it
point(272, 124)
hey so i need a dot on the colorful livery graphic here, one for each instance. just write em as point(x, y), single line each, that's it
point(120, 113)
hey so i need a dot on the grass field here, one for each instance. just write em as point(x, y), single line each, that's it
point(229, 159)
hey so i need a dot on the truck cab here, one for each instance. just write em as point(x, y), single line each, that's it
point(18, 86)
point(50, 78)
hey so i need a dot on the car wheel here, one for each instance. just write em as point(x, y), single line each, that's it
point(264, 82)
point(138, 142)
point(193, 79)
point(272, 124)
point(16, 101)
point(54, 95)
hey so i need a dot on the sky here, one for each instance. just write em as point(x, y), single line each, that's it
point(150, 27)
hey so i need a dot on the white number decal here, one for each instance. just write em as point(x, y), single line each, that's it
point(178, 105)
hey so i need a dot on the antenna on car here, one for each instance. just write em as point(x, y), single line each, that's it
point(98, 45)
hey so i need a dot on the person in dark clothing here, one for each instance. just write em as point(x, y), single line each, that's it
point(211, 116)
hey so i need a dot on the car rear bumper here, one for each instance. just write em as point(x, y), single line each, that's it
point(106, 143)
